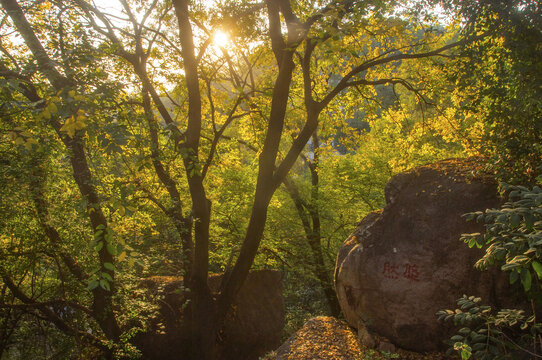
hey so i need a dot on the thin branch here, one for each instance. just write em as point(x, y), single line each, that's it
point(49, 303)
point(49, 314)
point(219, 133)
point(343, 83)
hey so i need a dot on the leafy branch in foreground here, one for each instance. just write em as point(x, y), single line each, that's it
point(486, 335)
point(514, 239)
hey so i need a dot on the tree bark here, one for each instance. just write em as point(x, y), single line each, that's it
point(102, 299)
point(264, 187)
point(203, 315)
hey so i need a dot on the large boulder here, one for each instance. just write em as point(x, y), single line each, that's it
point(406, 262)
point(253, 328)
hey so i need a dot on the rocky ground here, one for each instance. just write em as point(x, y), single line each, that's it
point(327, 338)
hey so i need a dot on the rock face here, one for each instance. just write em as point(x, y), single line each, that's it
point(253, 328)
point(406, 262)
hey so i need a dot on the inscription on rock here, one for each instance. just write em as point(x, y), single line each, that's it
point(406, 271)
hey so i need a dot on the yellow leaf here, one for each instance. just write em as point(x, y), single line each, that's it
point(71, 126)
point(80, 120)
point(52, 108)
point(122, 256)
point(78, 125)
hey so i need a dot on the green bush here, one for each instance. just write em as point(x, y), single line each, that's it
point(513, 241)
point(513, 238)
point(486, 335)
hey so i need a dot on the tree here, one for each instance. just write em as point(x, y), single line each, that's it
point(496, 86)
point(153, 133)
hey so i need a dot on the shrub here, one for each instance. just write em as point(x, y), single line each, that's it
point(513, 237)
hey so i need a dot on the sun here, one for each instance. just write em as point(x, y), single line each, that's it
point(221, 38)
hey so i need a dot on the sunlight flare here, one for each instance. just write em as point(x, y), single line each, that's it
point(221, 38)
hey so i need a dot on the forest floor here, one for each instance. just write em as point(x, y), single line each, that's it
point(326, 338)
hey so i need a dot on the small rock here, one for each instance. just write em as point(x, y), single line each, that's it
point(385, 346)
point(365, 338)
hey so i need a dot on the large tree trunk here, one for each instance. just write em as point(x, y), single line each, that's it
point(203, 314)
point(203, 325)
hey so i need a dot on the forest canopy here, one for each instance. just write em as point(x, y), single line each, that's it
point(180, 138)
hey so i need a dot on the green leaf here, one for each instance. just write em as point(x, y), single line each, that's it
point(514, 276)
point(515, 220)
point(105, 285)
point(93, 284)
point(99, 246)
point(537, 267)
point(109, 266)
point(479, 338)
point(46, 114)
point(529, 220)
point(111, 249)
point(526, 279)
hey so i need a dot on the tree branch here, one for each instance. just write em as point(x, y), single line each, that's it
point(343, 83)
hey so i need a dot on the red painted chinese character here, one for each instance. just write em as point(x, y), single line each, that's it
point(390, 271)
point(411, 272)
